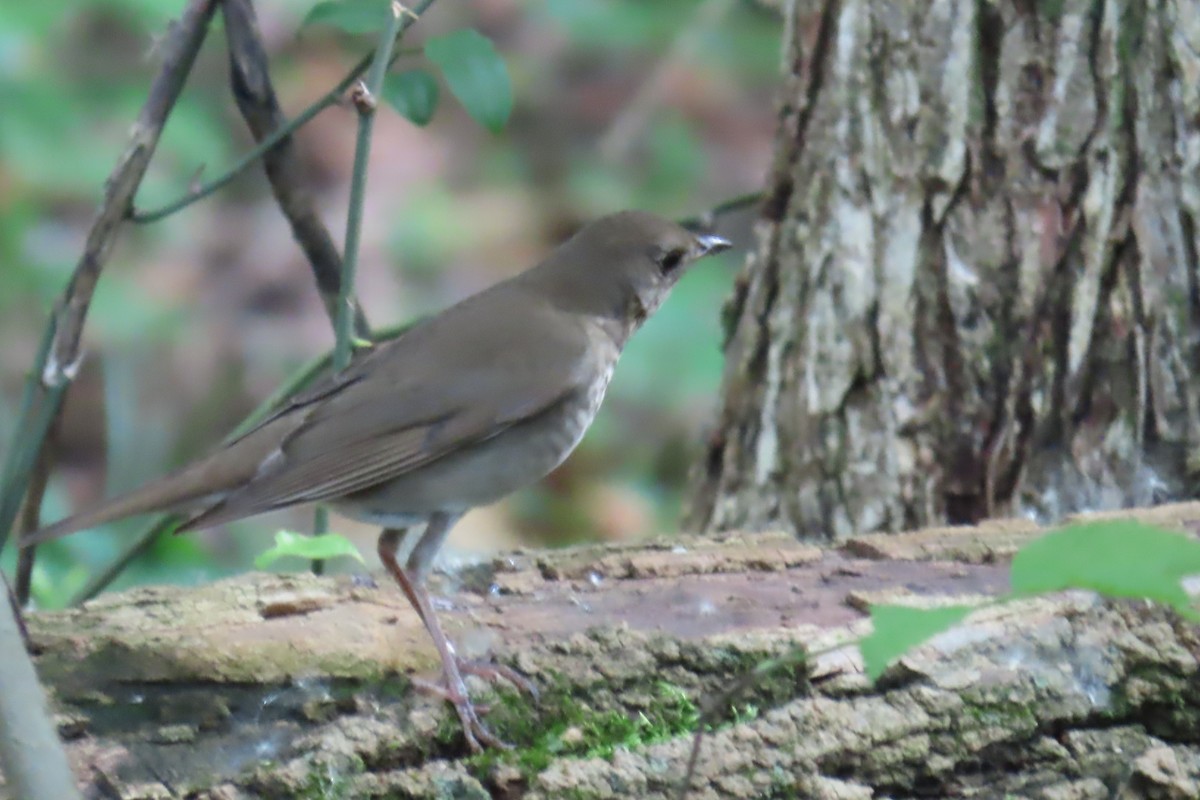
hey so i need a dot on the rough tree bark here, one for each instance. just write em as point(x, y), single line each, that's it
point(975, 290)
point(294, 686)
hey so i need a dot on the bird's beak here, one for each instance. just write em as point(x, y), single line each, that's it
point(710, 244)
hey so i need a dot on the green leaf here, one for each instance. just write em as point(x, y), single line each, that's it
point(413, 93)
point(476, 75)
point(310, 548)
point(351, 16)
point(898, 629)
point(1120, 558)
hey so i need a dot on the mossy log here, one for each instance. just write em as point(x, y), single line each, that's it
point(298, 686)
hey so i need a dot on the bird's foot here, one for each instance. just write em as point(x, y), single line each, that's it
point(475, 732)
point(454, 692)
point(494, 673)
point(486, 671)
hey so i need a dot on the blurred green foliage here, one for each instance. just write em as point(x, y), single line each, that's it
point(746, 42)
point(72, 77)
point(476, 74)
point(307, 548)
point(413, 93)
point(1124, 559)
point(350, 16)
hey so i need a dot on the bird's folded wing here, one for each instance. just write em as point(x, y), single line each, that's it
point(407, 415)
point(314, 474)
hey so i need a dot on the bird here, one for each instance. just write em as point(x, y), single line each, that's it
point(462, 409)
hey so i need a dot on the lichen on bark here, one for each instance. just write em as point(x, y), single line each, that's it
point(975, 290)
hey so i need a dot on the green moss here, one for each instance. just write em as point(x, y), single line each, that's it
point(575, 793)
point(1159, 699)
point(774, 681)
point(782, 787)
point(563, 725)
point(325, 781)
point(448, 733)
point(1012, 716)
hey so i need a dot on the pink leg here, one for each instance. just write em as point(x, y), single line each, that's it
point(412, 585)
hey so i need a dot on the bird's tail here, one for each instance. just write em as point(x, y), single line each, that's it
point(189, 487)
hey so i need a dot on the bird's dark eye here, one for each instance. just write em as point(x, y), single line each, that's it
point(671, 259)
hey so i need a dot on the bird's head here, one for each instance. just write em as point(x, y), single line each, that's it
point(622, 266)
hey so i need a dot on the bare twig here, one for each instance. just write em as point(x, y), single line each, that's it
point(330, 98)
point(365, 99)
point(56, 370)
point(16, 609)
point(179, 53)
point(202, 191)
point(255, 96)
point(33, 760)
point(797, 656)
point(31, 514)
point(100, 581)
point(21, 453)
point(707, 220)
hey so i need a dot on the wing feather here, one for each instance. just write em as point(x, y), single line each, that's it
point(412, 409)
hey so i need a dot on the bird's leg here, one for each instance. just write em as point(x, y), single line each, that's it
point(412, 583)
point(420, 559)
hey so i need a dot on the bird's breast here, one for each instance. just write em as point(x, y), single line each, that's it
point(578, 411)
point(487, 471)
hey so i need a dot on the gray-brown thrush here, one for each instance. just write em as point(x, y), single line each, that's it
point(462, 409)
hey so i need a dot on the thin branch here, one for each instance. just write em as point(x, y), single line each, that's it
point(31, 434)
point(707, 220)
point(22, 453)
point(59, 367)
point(255, 96)
point(714, 710)
point(330, 98)
point(365, 99)
point(100, 581)
point(182, 46)
point(16, 610)
point(33, 760)
point(31, 513)
point(204, 190)
point(320, 527)
point(298, 381)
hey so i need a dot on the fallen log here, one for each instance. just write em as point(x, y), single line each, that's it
point(298, 686)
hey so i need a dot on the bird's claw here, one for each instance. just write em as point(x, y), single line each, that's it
point(454, 692)
point(474, 731)
point(493, 673)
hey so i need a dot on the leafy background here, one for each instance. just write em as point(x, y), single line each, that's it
point(198, 317)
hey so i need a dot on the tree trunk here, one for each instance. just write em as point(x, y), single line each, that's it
point(974, 290)
point(295, 686)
